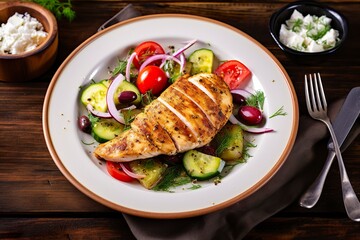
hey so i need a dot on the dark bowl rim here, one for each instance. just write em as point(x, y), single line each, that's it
point(326, 8)
point(48, 41)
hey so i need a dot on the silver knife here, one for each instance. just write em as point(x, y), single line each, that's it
point(345, 119)
point(126, 13)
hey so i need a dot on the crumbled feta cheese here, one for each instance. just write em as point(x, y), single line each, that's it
point(309, 33)
point(20, 34)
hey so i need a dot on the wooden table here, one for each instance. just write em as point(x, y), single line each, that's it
point(36, 201)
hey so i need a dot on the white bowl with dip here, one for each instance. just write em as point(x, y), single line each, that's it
point(315, 51)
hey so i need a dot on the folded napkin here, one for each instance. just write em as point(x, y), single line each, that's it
point(297, 173)
point(234, 222)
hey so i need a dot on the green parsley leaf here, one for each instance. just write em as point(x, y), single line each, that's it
point(59, 9)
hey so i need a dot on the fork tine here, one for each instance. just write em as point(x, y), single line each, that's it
point(312, 95)
point(322, 93)
point(317, 94)
point(307, 97)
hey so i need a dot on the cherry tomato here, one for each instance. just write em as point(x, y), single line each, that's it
point(250, 115)
point(116, 172)
point(151, 78)
point(233, 72)
point(145, 50)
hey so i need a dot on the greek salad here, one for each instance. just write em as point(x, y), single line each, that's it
point(149, 68)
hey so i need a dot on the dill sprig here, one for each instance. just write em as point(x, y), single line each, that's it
point(120, 67)
point(279, 112)
point(59, 9)
point(174, 176)
point(256, 100)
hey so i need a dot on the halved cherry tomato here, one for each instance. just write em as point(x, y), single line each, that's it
point(151, 78)
point(116, 172)
point(145, 50)
point(233, 72)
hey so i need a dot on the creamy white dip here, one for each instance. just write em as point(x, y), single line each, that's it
point(309, 33)
point(20, 34)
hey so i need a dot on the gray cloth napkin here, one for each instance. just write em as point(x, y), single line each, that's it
point(300, 169)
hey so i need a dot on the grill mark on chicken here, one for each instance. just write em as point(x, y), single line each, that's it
point(190, 114)
point(156, 135)
point(182, 136)
point(213, 87)
point(204, 102)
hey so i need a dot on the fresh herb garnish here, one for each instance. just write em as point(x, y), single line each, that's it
point(223, 145)
point(85, 143)
point(319, 34)
point(93, 119)
point(174, 176)
point(247, 146)
point(119, 68)
point(297, 25)
point(256, 100)
point(279, 112)
point(59, 9)
point(194, 187)
point(147, 98)
point(128, 118)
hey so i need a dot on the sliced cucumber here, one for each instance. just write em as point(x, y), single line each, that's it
point(95, 94)
point(202, 166)
point(106, 82)
point(106, 129)
point(229, 142)
point(127, 86)
point(202, 61)
point(152, 168)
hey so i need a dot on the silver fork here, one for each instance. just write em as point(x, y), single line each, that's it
point(317, 108)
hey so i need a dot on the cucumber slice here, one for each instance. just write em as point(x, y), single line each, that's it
point(106, 82)
point(202, 61)
point(106, 129)
point(229, 142)
point(95, 94)
point(202, 166)
point(152, 168)
point(127, 86)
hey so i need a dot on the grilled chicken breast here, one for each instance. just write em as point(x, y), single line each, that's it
point(187, 115)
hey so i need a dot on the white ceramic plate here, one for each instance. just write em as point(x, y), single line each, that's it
point(93, 58)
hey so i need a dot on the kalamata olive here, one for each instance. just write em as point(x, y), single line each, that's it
point(127, 97)
point(84, 124)
point(238, 99)
point(173, 158)
point(209, 150)
point(250, 115)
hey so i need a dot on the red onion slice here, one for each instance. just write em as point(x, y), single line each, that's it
point(183, 62)
point(233, 120)
point(110, 99)
point(181, 50)
point(96, 113)
point(242, 92)
point(130, 173)
point(128, 65)
point(158, 57)
point(132, 107)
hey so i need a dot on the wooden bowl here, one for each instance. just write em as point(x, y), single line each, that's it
point(32, 64)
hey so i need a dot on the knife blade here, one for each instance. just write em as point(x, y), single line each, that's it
point(346, 117)
point(344, 121)
point(126, 13)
